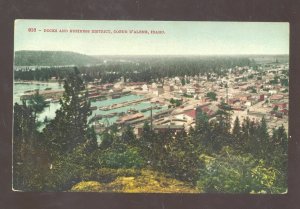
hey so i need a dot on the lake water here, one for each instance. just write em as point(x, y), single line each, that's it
point(132, 97)
point(20, 88)
point(49, 112)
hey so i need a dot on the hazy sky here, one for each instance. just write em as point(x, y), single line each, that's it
point(200, 38)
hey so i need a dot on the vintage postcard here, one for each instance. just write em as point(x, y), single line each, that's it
point(150, 106)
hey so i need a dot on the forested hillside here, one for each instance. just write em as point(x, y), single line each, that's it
point(52, 58)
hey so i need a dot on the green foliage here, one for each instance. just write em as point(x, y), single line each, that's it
point(91, 143)
point(37, 102)
point(188, 96)
point(127, 158)
point(151, 146)
point(30, 155)
point(278, 152)
point(237, 131)
point(175, 154)
point(182, 158)
point(24, 122)
point(214, 134)
point(62, 172)
point(183, 81)
point(69, 127)
point(175, 102)
point(253, 90)
point(211, 95)
point(31, 163)
point(201, 121)
point(275, 108)
point(230, 172)
point(284, 82)
point(106, 140)
point(128, 136)
point(274, 81)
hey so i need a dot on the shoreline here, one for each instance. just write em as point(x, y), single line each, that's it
point(35, 82)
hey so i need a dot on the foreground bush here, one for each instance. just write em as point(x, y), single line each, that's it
point(125, 158)
point(233, 173)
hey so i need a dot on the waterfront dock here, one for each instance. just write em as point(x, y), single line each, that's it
point(123, 104)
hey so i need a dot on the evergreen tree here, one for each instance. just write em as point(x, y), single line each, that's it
point(221, 127)
point(92, 143)
point(202, 124)
point(204, 134)
point(191, 132)
point(237, 132)
point(263, 138)
point(280, 137)
point(106, 140)
point(24, 122)
point(279, 152)
point(183, 81)
point(30, 157)
point(148, 145)
point(249, 136)
point(181, 158)
point(147, 132)
point(224, 117)
point(37, 103)
point(246, 128)
point(128, 136)
point(212, 95)
point(69, 128)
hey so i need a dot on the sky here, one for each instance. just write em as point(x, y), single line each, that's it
point(178, 38)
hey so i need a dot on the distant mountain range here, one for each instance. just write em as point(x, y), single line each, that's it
point(63, 58)
point(53, 58)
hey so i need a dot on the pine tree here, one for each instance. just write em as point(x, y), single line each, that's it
point(151, 143)
point(263, 130)
point(263, 138)
point(24, 122)
point(92, 143)
point(128, 136)
point(191, 131)
point(246, 128)
point(224, 115)
point(37, 103)
point(237, 132)
point(202, 123)
point(282, 138)
point(69, 128)
point(279, 152)
point(30, 158)
point(106, 140)
point(221, 128)
point(202, 127)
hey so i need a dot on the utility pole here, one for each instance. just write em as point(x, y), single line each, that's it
point(226, 93)
point(151, 128)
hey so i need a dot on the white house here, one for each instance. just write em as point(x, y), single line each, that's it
point(145, 88)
